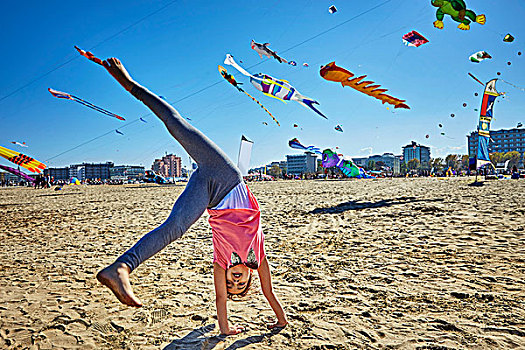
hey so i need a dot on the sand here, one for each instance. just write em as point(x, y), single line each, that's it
point(390, 263)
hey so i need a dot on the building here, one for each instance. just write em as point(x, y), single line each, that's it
point(503, 140)
point(389, 160)
point(168, 166)
point(90, 171)
point(360, 161)
point(416, 151)
point(298, 164)
point(125, 172)
point(9, 177)
point(57, 173)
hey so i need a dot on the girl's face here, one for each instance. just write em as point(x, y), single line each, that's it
point(237, 278)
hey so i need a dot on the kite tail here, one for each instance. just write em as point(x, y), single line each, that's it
point(308, 102)
point(259, 103)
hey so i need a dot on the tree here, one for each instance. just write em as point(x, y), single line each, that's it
point(451, 161)
point(496, 157)
point(513, 157)
point(413, 164)
point(403, 168)
point(274, 171)
point(464, 162)
point(437, 164)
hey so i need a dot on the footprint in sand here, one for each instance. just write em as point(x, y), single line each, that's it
point(102, 328)
point(150, 317)
point(159, 315)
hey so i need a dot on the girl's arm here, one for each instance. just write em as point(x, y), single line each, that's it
point(266, 285)
point(221, 296)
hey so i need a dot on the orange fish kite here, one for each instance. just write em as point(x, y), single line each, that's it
point(332, 72)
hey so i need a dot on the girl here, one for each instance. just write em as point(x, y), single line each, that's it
point(217, 185)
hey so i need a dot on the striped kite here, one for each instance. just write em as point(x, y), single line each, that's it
point(18, 158)
point(332, 72)
point(67, 96)
point(279, 89)
point(230, 78)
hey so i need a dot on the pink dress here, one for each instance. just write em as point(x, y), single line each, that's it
point(237, 233)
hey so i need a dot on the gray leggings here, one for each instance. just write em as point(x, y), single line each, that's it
point(214, 178)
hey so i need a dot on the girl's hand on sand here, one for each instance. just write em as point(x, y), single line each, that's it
point(234, 330)
point(117, 71)
point(277, 325)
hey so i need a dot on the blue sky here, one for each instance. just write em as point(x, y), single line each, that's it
point(175, 53)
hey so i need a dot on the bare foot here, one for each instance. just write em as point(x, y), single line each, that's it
point(116, 278)
point(117, 70)
point(277, 325)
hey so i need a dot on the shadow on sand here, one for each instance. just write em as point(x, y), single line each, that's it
point(59, 194)
point(356, 205)
point(197, 339)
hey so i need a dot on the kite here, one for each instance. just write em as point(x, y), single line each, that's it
point(479, 56)
point(519, 125)
point(414, 39)
point(331, 159)
point(89, 56)
point(464, 105)
point(18, 158)
point(263, 49)
point(21, 144)
point(457, 10)
point(119, 132)
point(440, 125)
point(475, 94)
point(452, 115)
point(272, 87)
point(519, 53)
point(294, 143)
point(442, 134)
point(67, 96)
point(476, 79)
point(498, 73)
point(508, 38)
point(306, 65)
point(347, 167)
point(230, 78)
point(143, 120)
point(332, 9)
point(427, 136)
point(509, 63)
point(17, 173)
point(291, 63)
point(339, 128)
point(332, 72)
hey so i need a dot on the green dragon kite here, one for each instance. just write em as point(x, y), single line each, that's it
point(457, 9)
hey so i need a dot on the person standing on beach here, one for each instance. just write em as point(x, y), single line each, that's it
point(217, 185)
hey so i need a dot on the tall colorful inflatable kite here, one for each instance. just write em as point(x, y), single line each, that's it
point(485, 117)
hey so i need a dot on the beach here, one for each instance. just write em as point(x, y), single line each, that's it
point(419, 263)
